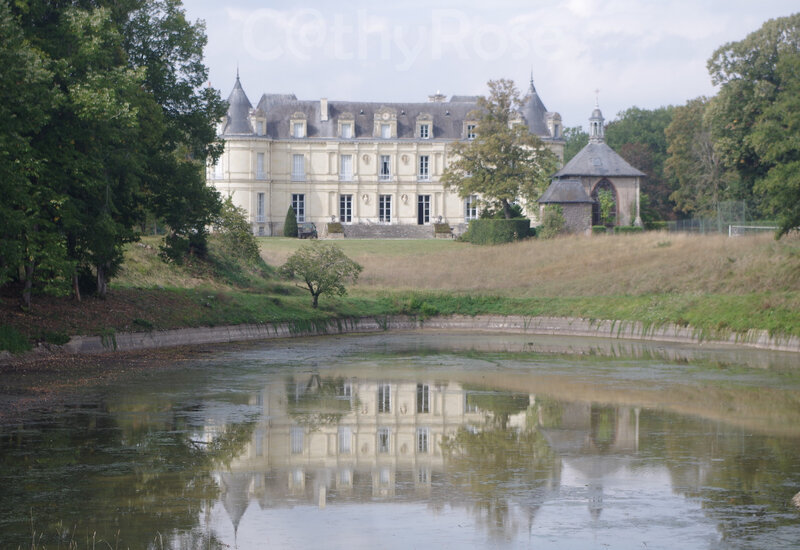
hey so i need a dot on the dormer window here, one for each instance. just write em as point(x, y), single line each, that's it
point(385, 123)
point(347, 126)
point(424, 126)
point(260, 127)
point(297, 125)
point(471, 130)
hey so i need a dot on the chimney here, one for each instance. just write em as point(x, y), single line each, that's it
point(438, 97)
point(323, 109)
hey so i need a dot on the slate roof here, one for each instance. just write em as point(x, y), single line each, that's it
point(534, 112)
point(597, 159)
point(565, 191)
point(238, 121)
point(447, 117)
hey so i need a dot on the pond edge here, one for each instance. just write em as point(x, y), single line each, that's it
point(515, 324)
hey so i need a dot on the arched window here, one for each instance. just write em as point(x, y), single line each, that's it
point(604, 188)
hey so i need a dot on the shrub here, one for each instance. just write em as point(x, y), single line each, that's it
point(442, 229)
point(552, 221)
point(235, 233)
point(12, 340)
point(598, 229)
point(655, 225)
point(496, 231)
point(290, 225)
point(335, 227)
point(627, 229)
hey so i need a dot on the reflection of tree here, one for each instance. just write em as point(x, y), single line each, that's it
point(497, 466)
point(124, 481)
point(320, 401)
point(743, 480)
point(502, 405)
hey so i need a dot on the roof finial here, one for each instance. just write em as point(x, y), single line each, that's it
point(597, 97)
point(237, 70)
point(532, 78)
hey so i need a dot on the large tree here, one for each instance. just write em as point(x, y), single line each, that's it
point(638, 136)
point(701, 180)
point(126, 126)
point(505, 162)
point(754, 118)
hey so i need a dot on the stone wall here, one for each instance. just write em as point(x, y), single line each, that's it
point(577, 217)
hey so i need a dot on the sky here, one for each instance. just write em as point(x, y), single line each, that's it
point(621, 53)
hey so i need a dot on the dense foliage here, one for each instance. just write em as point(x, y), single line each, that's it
point(104, 120)
point(505, 162)
point(496, 231)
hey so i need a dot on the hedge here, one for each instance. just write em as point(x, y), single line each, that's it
point(655, 226)
point(628, 229)
point(598, 229)
point(335, 227)
point(494, 231)
point(442, 229)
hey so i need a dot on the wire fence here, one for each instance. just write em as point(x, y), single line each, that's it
point(734, 218)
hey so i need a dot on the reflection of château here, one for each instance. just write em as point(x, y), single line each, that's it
point(322, 441)
point(342, 433)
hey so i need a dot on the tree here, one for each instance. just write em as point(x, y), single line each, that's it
point(605, 199)
point(701, 180)
point(290, 225)
point(505, 162)
point(322, 268)
point(638, 136)
point(576, 139)
point(753, 118)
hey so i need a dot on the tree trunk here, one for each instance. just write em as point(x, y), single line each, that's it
point(101, 281)
point(26, 292)
point(314, 300)
point(507, 212)
point(76, 289)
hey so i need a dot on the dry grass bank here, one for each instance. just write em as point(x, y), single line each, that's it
point(649, 263)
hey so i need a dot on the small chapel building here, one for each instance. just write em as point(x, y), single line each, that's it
point(595, 168)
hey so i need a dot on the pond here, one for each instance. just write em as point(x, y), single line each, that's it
point(416, 440)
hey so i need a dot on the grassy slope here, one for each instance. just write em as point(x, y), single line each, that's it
point(710, 282)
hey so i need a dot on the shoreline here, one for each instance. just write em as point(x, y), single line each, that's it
point(542, 325)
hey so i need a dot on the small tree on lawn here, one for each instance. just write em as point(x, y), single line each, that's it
point(290, 225)
point(322, 269)
point(553, 221)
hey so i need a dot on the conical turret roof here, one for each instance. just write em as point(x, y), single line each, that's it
point(534, 112)
point(238, 119)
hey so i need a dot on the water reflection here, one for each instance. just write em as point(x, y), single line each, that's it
point(418, 441)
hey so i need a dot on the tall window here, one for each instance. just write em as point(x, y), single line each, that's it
point(346, 168)
point(424, 164)
point(423, 434)
point(386, 131)
point(260, 173)
point(423, 209)
point(471, 131)
point(297, 440)
point(260, 207)
point(345, 439)
point(383, 440)
point(384, 398)
point(297, 129)
point(424, 131)
point(385, 173)
point(423, 398)
point(345, 208)
point(385, 209)
point(299, 206)
point(471, 208)
point(260, 128)
point(298, 167)
point(218, 171)
point(347, 130)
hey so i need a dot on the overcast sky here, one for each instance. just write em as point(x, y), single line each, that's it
point(646, 53)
